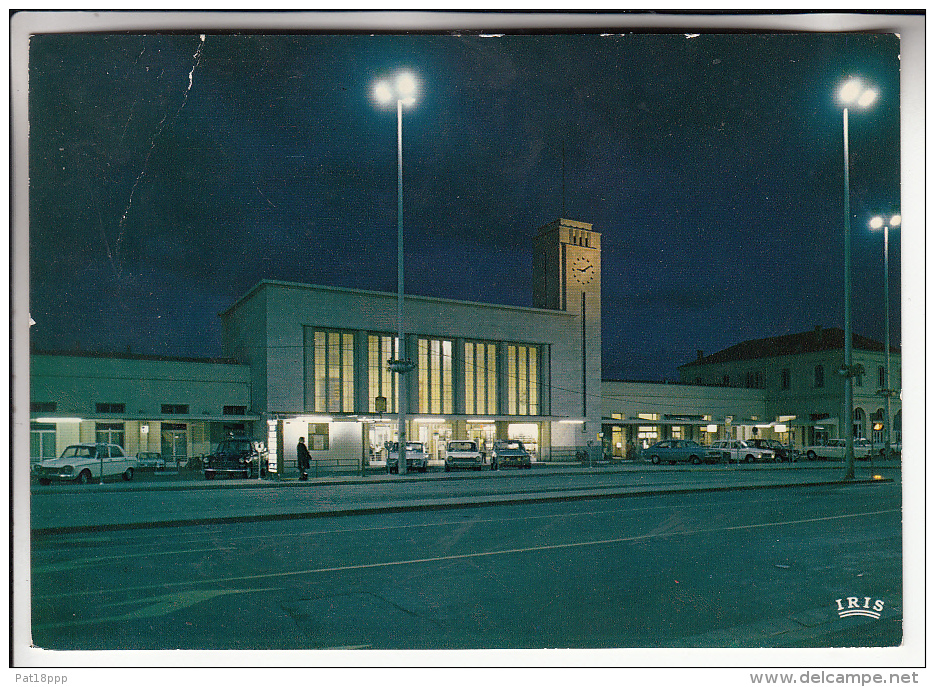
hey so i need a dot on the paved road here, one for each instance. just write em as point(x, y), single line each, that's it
point(145, 503)
point(757, 567)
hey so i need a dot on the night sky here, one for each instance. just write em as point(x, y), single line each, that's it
point(170, 173)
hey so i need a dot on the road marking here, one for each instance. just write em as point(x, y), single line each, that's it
point(485, 554)
point(90, 562)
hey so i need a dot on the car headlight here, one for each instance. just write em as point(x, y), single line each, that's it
point(68, 469)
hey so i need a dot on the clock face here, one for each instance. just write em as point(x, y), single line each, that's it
point(583, 270)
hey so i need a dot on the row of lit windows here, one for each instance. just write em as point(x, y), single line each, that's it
point(333, 364)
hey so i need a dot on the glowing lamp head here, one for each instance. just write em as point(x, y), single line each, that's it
point(867, 98)
point(876, 222)
point(896, 220)
point(383, 93)
point(850, 91)
point(854, 92)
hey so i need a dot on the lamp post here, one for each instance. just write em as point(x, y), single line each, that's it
point(402, 90)
point(853, 92)
point(877, 223)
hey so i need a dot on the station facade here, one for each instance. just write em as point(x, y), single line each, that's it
point(311, 361)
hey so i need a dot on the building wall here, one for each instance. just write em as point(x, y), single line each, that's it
point(294, 312)
point(77, 383)
point(813, 405)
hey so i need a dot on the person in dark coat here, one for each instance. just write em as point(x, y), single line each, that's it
point(304, 458)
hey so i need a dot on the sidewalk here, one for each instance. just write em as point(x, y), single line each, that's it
point(144, 504)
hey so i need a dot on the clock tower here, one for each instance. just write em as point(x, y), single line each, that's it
point(567, 276)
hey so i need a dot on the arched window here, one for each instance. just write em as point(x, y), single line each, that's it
point(819, 376)
point(858, 423)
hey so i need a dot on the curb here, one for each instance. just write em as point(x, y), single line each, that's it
point(546, 469)
point(436, 505)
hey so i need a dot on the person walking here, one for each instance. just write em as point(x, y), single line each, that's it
point(304, 459)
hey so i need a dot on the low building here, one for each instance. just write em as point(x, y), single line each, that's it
point(178, 407)
point(641, 413)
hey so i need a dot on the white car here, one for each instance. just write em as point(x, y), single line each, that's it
point(463, 453)
point(835, 449)
point(739, 451)
point(416, 457)
point(82, 463)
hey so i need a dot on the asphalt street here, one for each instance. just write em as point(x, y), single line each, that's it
point(171, 501)
point(757, 567)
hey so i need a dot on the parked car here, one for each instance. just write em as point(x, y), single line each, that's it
point(82, 463)
point(462, 453)
point(836, 449)
point(680, 451)
point(740, 451)
point(509, 453)
point(783, 452)
point(150, 460)
point(877, 449)
point(416, 457)
point(237, 457)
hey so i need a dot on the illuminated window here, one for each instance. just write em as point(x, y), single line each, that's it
point(522, 379)
point(334, 371)
point(318, 437)
point(480, 378)
point(383, 382)
point(435, 389)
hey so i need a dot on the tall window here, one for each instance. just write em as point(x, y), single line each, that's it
point(522, 380)
point(42, 441)
point(109, 433)
point(786, 380)
point(435, 390)
point(819, 376)
point(334, 371)
point(881, 376)
point(383, 382)
point(480, 378)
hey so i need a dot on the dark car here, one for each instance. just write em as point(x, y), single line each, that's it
point(783, 453)
point(509, 454)
point(237, 457)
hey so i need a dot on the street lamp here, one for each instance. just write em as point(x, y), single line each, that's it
point(403, 91)
point(853, 92)
point(877, 223)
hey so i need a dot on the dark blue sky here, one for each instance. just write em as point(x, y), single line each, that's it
point(170, 174)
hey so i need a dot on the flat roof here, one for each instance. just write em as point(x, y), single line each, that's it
point(388, 294)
